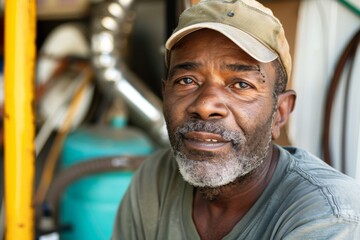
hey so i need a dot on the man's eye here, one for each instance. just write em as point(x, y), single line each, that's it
point(242, 85)
point(186, 81)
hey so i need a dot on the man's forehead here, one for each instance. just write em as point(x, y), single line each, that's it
point(203, 36)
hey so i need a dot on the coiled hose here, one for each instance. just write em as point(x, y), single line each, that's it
point(83, 169)
point(347, 57)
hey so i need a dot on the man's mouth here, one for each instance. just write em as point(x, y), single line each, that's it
point(204, 141)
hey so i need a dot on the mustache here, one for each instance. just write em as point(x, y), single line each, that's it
point(236, 137)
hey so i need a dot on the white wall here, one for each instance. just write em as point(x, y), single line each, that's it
point(324, 29)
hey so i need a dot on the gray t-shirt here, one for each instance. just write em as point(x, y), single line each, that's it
point(305, 199)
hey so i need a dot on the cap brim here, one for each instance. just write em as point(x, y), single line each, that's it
point(246, 42)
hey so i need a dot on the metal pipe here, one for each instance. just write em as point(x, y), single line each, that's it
point(20, 50)
point(111, 26)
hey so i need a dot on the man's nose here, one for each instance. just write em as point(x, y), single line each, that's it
point(209, 104)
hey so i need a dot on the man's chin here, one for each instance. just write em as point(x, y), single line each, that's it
point(205, 173)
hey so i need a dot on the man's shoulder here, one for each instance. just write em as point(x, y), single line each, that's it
point(313, 178)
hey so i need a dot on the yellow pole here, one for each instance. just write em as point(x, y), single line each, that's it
point(20, 50)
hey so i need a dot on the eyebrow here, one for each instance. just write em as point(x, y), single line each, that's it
point(241, 68)
point(245, 68)
point(183, 66)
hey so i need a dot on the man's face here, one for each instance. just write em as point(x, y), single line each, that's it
point(218, 106)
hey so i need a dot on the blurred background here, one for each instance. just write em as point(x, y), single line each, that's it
point(97, 89)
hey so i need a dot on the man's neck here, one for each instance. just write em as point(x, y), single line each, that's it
point(217, 210)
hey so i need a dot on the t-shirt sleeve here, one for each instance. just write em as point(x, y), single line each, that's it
point(318, 202)
point(326, 229)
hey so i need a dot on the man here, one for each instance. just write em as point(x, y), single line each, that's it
point(225, 101)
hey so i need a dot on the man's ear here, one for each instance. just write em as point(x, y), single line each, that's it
point(285, 105)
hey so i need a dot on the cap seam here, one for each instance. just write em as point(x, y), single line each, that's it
point(273, 19)
point(261, 12)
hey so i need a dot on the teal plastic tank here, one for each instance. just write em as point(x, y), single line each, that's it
point(89, 205)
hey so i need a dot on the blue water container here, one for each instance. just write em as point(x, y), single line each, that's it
point(89, 205)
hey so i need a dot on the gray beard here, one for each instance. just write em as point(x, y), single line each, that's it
point(216, 171)
point(214, 174)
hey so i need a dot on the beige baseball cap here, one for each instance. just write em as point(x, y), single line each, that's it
point(247, 23)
